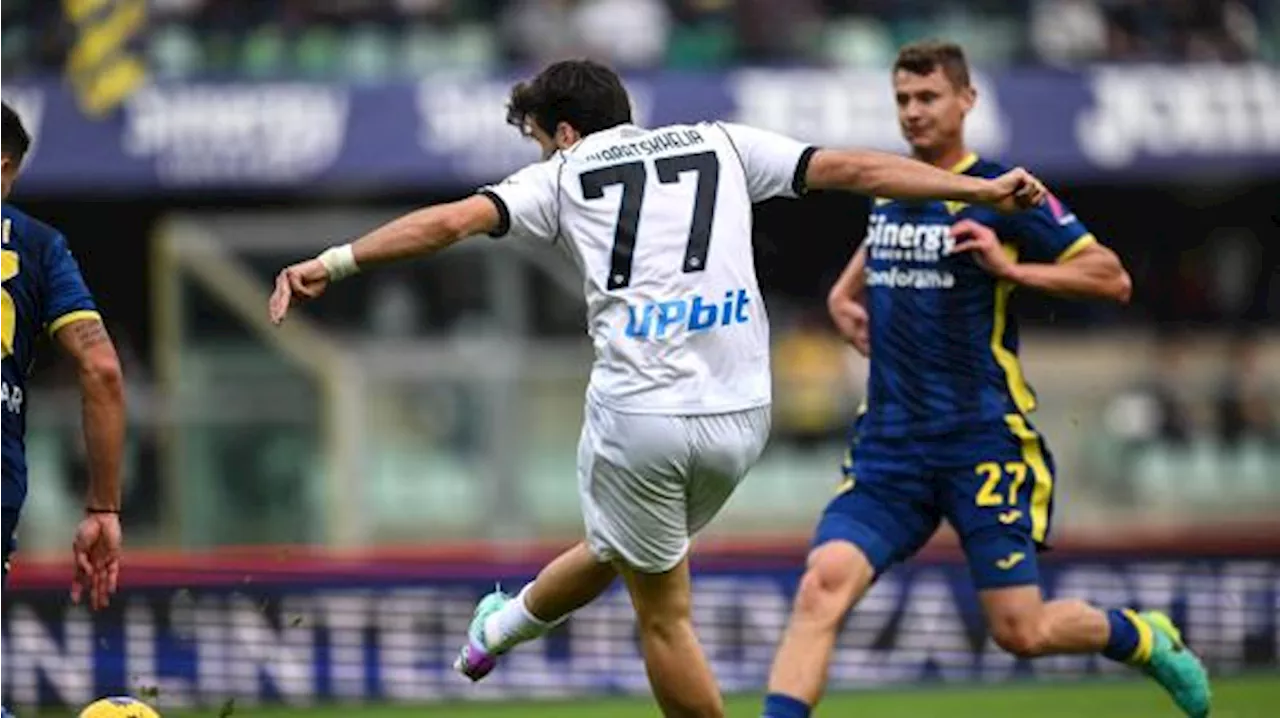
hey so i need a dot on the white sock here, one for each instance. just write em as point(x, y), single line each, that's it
point(513, 624)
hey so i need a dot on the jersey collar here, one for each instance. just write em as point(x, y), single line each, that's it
point(963, 165)
point(582, 140)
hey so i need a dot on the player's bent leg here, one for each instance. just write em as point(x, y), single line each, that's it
point(678, 670)
point(1024, 625)
point(836, 576)
point(998, 495)
point(1002, 563)
point(574, 579)
point(501, 622)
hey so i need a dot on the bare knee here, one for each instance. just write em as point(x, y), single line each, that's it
point(836, 575)
point(1021, 633)
point(1019, 620)
point(661, 602)
point(666, 623)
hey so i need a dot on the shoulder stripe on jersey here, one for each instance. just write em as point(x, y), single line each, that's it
point(71, 318)
point(1077, 247)
point(1023, 398)
point(965, 164)
point(798, 185)
point(504, 214)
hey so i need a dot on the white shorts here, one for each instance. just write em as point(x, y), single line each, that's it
point(649, 482)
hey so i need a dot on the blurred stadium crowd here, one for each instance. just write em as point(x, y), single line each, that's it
point(371, 39)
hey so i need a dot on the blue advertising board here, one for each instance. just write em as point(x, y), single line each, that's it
point(389, 633)
point(449, 132)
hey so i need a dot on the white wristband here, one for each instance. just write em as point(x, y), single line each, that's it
point(339, 262)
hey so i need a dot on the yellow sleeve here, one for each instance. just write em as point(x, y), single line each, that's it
point(1077, 247)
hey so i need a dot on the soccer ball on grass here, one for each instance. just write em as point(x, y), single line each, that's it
point(119, 707)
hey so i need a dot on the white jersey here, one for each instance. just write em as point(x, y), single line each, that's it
point(659, 222)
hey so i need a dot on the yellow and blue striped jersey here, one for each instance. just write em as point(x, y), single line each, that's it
point(43, 291)
point(944, 348)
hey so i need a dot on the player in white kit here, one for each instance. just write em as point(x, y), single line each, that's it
point(677, 408)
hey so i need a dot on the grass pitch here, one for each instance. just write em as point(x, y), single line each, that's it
point(1249, 697)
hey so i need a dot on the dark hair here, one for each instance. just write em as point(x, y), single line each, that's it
point(14, 140)
point(585, 94)
point(922, 58)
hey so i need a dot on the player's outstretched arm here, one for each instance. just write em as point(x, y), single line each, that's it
point(98, 538)
point(1091, 271)
point(846, 306)
point(880, 174)
point(415, 234)
point(426, 231)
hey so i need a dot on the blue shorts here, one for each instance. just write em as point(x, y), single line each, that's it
point(993, 483)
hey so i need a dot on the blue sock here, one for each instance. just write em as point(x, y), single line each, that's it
point(1130, 639)
point(777, 705)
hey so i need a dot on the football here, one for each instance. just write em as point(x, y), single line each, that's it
point(119, 707)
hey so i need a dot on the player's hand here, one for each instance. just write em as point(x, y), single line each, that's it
point(987, 251)
point(852, 321)
point(96, 550)
point(1016, 190)
point(296, 284)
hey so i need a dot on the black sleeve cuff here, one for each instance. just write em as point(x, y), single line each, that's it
point(504, 214)
point(802, 169)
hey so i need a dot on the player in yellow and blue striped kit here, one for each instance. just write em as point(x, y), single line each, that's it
point(945, 432)
point(43, 293)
